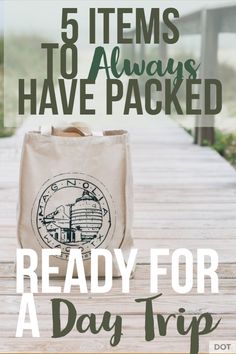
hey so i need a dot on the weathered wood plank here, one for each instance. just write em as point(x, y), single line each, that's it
point(194, 304)
point(142, 272)
point(226, 250)
point(99, 345)
point(133, 326)
point(167, 233)
point(138, 286)
point(182, 233)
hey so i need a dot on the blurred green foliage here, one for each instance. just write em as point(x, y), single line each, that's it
point(1, 51)
point(25, 59)
point(225, 145)
point(3, 132)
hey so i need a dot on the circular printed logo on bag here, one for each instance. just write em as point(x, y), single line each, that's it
point(73, 210)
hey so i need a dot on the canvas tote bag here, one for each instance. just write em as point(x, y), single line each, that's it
point(75, 192)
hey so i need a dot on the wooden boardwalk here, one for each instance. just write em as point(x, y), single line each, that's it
point(185, 196)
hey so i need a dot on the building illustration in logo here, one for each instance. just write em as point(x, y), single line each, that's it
point(73, 211)
point(77, 222)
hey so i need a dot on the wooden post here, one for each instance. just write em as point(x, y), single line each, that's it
point(128, 50)
point(163, 46)
point(142, 49)
point(163, 57)
point(142, 56)
point(204, 131)
point(196, 130)
point(132, 51)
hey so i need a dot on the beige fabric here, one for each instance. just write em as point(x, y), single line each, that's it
point(75, 192)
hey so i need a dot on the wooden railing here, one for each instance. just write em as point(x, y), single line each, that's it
point(208, 23)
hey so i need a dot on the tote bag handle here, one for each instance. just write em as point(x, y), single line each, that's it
point(75, 129)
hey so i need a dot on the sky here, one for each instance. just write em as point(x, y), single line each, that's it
point(1, 16)
point(41, 20)
point(43, 17)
